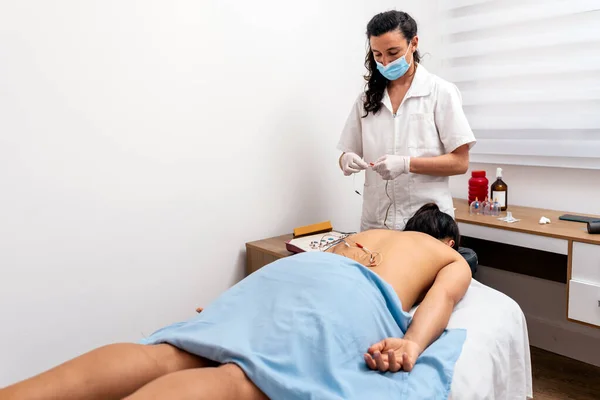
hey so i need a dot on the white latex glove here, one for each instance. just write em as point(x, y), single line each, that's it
point(351, 163)
point(391, 166)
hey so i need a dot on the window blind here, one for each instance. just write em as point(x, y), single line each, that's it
point(529, 74)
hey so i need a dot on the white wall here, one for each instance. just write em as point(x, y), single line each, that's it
point(143, 143)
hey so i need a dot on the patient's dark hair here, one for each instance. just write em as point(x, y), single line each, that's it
point(430, 220)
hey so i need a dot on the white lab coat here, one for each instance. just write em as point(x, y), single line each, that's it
point(430, 122)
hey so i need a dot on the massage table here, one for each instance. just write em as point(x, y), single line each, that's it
point(495, 362)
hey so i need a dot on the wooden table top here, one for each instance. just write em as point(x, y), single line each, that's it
point(529, 222)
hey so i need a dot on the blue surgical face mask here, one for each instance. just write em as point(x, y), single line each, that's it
point(396, 69)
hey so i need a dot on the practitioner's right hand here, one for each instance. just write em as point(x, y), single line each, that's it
point(393, 355)
point(351, 163)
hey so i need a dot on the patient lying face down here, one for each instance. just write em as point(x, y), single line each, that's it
point(195, 360)
point(419, 268)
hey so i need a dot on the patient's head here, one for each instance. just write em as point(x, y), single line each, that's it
point(430, 220)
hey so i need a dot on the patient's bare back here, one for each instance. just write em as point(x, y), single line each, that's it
point(409, 261)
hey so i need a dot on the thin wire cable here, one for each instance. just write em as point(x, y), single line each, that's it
point(390, 206)
point(354, 185)
point(386, 192)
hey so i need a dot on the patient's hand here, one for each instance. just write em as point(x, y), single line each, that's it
point(392, 355)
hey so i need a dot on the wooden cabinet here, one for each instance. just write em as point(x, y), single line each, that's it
point(580, 252)
point(262, 252)
point(586, 263)
point(584, 284)
point(584, 302)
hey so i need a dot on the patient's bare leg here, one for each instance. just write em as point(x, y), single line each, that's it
point(110, 372)
point(222, 383)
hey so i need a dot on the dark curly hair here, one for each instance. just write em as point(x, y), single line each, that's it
point(431, 220)
point(383, 23)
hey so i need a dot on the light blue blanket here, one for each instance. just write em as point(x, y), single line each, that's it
point(299, 328)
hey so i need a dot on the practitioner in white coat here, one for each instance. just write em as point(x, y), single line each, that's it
point(407, 130)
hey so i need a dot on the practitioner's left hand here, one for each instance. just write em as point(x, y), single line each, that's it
point(392, 166)
point(393, 355)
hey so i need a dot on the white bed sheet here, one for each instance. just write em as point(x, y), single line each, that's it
point(495, 363)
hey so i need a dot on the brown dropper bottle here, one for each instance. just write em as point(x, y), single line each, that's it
point(499, 191)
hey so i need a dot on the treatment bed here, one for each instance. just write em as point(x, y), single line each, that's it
point(495, 361)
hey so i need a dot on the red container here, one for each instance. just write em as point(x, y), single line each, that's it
point(478, 186)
